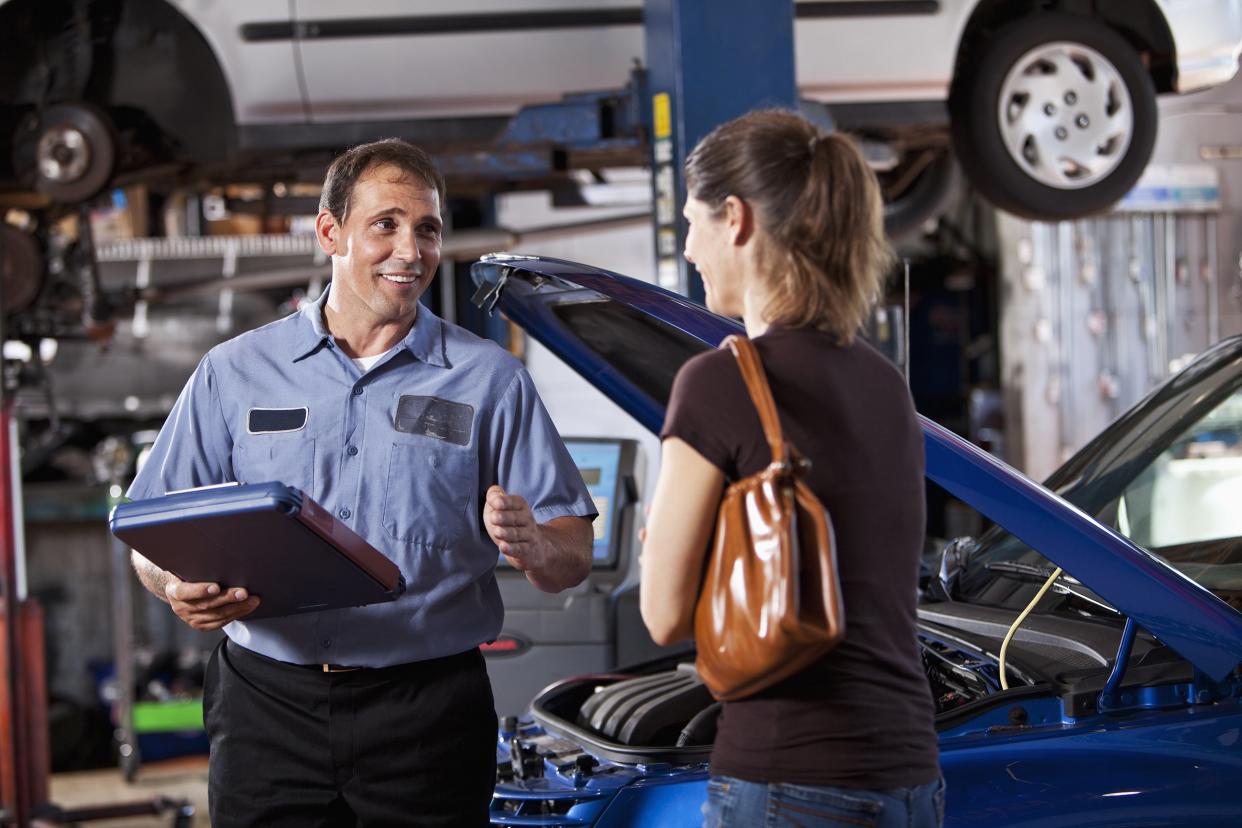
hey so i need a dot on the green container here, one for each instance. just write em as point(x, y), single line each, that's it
point(168, 716)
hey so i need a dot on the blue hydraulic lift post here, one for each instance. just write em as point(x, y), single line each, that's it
point(708, 61)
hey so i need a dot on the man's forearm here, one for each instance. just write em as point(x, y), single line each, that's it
point(151, 576)
point(565, 558)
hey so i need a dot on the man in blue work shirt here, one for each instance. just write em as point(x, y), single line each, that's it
point(430, 443)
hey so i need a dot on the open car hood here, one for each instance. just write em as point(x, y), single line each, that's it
point(628, 338)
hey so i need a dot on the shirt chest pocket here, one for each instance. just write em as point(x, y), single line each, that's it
point(429, 493)
point(287, 458)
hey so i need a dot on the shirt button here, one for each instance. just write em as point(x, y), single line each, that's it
point(358, 391)
point(330, 343)
point(344, 514)
point(351, 451)
point(327, 642)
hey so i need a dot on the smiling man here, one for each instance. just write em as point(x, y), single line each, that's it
point(430, 443)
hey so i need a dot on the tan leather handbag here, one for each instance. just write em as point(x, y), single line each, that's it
point(770, 603)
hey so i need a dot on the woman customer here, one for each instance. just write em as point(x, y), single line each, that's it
point(786, 231)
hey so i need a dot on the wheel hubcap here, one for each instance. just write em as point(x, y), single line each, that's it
point(63, 154)
point(1068, 146)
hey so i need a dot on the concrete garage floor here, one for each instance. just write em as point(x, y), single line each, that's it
point(184, 778)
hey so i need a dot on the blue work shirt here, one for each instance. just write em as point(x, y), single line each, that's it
point(403, 454)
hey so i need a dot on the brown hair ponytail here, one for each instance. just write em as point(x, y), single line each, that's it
point(825, 256)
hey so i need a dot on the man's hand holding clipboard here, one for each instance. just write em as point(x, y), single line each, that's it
point(205, 606)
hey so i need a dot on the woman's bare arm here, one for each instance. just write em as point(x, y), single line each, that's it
point(683, 513)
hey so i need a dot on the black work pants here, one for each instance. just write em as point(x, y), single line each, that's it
point(413, 744)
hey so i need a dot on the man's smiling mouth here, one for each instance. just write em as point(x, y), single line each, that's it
point(400, 278)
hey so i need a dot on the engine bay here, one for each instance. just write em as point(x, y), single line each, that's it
point(665, 713)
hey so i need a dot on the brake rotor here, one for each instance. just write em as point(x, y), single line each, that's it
point(68, 151)
point(21, 270)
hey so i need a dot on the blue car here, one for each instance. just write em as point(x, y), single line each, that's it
point(1120, 704)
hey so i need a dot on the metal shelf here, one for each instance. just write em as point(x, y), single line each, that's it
point(207, 247)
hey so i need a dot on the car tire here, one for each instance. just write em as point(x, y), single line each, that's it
point(1053, 116)
point(924, 199)
point(68, 150)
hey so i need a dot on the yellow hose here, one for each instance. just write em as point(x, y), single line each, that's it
point(1013, 628)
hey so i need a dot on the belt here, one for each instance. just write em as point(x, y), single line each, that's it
point(323, 667)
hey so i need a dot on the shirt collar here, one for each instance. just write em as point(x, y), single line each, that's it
point(425, 341)
point(426, 338)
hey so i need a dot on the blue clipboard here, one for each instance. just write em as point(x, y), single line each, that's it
point(269, 538)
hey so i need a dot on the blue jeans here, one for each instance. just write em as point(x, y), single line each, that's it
point(735, 803)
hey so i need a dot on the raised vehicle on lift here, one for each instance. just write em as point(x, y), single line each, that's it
point(1120, 700)
point(1051, 106)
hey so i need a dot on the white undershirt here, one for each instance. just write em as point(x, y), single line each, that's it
point(366, 363)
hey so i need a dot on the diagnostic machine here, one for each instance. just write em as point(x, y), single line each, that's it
point(587, 628)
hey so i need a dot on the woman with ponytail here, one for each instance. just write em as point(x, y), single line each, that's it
point(786, 231)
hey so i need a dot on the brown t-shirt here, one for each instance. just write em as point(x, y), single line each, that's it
point(862, 716)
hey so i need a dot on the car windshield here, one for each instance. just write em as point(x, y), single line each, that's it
point(1168, 476)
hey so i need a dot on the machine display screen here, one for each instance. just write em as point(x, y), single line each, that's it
point(600, 461)
point(600, 465)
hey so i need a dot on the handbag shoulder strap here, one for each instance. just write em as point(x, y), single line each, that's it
point(760, 393)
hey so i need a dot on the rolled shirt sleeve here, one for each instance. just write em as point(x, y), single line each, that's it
point(531, 460)
point(194, 447)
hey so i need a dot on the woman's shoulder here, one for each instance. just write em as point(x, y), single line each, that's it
point(712, 364)
point(705, 382)
point(703, 408)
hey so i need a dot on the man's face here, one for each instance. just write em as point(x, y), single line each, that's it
point(385, 253)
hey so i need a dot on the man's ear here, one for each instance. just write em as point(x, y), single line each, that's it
point(326, 230)
point(740, 219)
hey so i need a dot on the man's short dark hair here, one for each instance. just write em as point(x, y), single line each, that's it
point(351, 165)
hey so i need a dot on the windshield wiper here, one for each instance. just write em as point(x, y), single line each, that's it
point(1066, 585)
point(1041, 572)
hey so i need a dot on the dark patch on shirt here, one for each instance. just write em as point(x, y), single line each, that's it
point(273, 420)
point(434, 417)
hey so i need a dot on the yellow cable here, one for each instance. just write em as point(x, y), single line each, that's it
point(1013, 628)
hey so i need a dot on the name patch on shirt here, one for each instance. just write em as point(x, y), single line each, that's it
point(434, 417)
point(276, 420)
